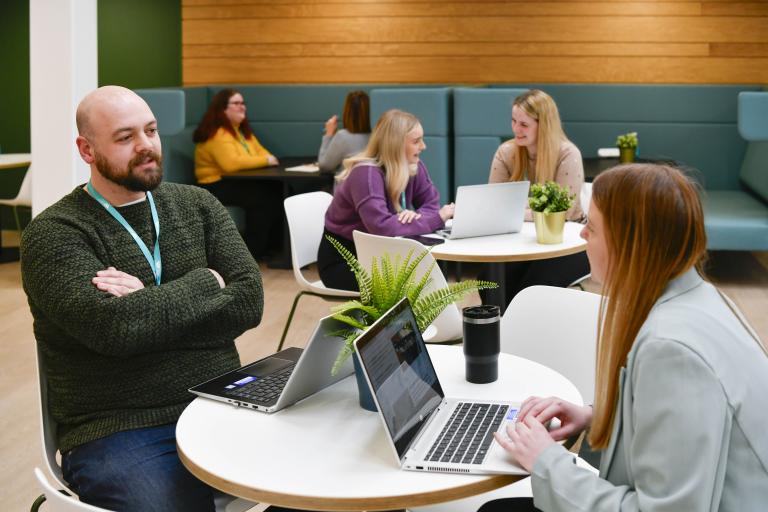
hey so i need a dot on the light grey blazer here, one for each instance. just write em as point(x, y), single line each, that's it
point(335, 148)
point(691, 429)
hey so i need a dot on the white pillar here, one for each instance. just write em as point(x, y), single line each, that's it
point(63, 62)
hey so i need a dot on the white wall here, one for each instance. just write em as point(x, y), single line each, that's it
point(63, 69)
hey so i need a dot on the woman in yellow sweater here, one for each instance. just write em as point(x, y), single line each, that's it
point(225, 144)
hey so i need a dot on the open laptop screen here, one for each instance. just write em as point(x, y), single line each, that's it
point(400, 371)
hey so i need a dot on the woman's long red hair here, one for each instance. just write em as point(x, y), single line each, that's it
point(654, 227)
point(215, 118)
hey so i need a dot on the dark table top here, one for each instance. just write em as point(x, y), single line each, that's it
point(279, 172)
point(595, 165)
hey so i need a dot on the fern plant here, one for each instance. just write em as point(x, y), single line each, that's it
point(389, 281)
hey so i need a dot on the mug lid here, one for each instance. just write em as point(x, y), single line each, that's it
point(484, 311)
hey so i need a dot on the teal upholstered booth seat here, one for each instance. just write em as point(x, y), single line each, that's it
point(482, 119)
point(433, 108)
point(172, 109)
point(287, 119)
point(696, 126)
point(738, 219)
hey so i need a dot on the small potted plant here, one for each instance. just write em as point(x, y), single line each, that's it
point(627, 145)
point(383, 287)
point(549, 202)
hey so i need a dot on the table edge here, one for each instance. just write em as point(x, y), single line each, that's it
point(490, 483)
point(504, 258)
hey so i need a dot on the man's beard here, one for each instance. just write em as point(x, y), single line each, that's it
point(129, 178)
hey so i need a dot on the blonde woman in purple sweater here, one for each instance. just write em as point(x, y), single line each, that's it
point(385, 190)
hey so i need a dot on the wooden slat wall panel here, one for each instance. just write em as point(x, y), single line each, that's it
point(430, 9)
point(474, 41)
point(457, 49)
point(470, 70)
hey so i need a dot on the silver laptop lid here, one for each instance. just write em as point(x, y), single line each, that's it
point(490, 209)
point(400, 374)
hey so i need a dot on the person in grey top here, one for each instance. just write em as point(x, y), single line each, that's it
point(350, 140)
point(680, 394)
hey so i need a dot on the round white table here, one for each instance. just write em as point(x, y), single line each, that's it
point(499, 249)
point(12, 160)
point(326, 453)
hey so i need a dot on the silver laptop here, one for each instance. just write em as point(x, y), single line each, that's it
point(427, 430)
point(284, 378)
point(491, 209)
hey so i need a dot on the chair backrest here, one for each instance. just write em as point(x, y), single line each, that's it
point(48, 425)
point(585, 198)
point(448, 324)
point(24, 197)
point(58, 502)
point(556, 327)
point(306, 220)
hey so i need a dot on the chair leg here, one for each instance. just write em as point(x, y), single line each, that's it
point(16, 216)
point(36, 504)
point(290, 317)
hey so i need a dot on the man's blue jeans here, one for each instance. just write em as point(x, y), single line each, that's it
point(136, 470)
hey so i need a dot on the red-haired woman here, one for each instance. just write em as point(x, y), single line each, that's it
point(225, 144)
point(680, 397)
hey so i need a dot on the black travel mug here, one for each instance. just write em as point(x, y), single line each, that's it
point(481, 343)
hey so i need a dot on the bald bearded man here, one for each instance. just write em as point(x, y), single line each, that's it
point(138, 289)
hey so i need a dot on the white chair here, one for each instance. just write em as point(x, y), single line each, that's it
point(448, 325)
point(585, 197)
point(556, 327)
point(23, 198)
point(58, 500)
point(306, 220)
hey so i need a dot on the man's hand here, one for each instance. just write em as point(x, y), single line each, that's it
point(116, 282)
point(407, 216)
point(218, 278)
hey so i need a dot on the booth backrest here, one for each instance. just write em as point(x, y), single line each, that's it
point(693, 125)
point(753, 126)
point(433, 108)
point(482, 120)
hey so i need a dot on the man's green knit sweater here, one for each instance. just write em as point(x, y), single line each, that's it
point(120, 363)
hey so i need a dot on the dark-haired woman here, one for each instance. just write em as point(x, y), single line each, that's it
point(350, 140)
point(225, 144)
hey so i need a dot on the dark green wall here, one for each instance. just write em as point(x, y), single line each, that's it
point(14, 86)
point(139, 46)
point(140, 43)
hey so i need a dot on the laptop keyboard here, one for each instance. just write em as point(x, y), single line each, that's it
point(467, 434)
point(266, 388)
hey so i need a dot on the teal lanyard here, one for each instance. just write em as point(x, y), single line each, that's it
point(154, 262)
point(402, 200)
point(242, 141)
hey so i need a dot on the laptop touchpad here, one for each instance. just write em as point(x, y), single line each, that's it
point(266, 367)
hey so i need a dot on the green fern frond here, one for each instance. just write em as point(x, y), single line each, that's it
point(414, 291)
point(428, 308)
point(346, 351)
point(356, 305)
point(361, 275)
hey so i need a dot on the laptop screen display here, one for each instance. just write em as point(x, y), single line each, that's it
point(401, 373)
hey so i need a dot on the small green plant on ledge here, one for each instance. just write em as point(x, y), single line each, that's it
point(550, 198)
point(627, 141)
point(387, 283)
